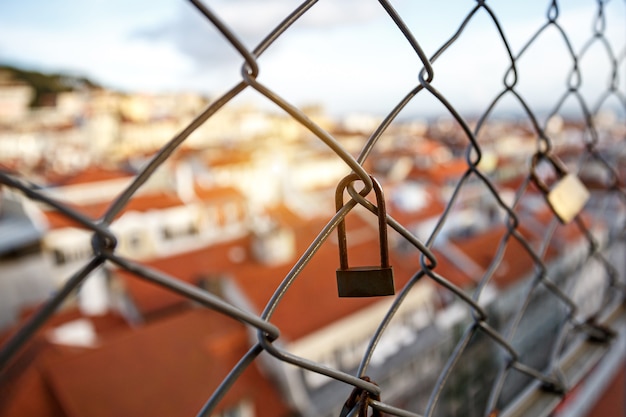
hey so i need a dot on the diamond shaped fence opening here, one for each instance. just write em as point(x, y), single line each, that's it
point(524, 301)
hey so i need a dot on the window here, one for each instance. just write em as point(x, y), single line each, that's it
point(29, 249)
point(134, 240)
point(59, 257)
point(180, 230)
point(68, 255)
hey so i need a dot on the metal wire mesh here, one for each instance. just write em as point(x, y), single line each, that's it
point(480, 332)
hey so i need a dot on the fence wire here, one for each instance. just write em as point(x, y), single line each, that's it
point(591, 143)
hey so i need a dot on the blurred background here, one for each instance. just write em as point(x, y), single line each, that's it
point(91, 93)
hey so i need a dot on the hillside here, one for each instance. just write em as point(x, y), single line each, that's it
point(47, 84)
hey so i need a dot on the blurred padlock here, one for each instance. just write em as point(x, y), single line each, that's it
point(567, 196)
point(364, 281)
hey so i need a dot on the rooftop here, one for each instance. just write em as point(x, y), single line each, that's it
point(162, 369)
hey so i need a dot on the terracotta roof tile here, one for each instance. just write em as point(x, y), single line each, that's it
point(24, 390)
point(187, 266)
point(225, 158)
point(564, 235)
point(441, 173)
point(162, 369)
point(166, 368)
point(285, 216)
point(90, 174)
point(140, 202)
point(314, 290)
point(516, 262)
point(217, 193)
point(28, 392)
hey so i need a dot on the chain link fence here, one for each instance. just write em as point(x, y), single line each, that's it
point(489, 362)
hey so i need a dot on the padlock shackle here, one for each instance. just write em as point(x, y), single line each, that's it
point(556, 163)
point(382, 220)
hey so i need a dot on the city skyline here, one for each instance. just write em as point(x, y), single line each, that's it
point(166, 46)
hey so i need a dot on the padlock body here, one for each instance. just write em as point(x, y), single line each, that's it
point(567, 198)
point(365, 281)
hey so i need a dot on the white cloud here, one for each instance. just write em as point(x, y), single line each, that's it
point(348, 55)
point(108, 58)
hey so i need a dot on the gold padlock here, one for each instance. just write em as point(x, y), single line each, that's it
point(364, 281)
point(567, 196)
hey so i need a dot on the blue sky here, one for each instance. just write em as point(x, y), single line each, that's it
point(345, 54)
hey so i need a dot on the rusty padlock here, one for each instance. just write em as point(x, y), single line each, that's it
point(361, 398)
point(364, 281)
point(567, 196)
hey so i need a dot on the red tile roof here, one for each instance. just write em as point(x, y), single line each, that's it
point(308, 305)
point(163, 369)
point(187, 266)
point(166, 368)
point(441, 173)
point(26, 391)
point(139, 202)
point(90, 174)
point(448, 270)
point(285, 216)
point(217, 193)
point(228, 157)
point(516, 262)
point(565, 235)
